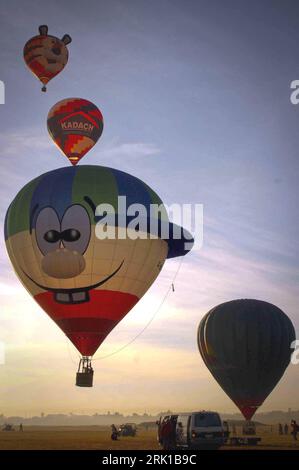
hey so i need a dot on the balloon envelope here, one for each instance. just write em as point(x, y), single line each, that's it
point(75, 125)
point(246, 345)
point(85, 283)
point(45, 55)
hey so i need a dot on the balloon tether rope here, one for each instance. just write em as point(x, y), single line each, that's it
point(170, 288)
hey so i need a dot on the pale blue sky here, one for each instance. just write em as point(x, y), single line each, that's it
point(195, 98)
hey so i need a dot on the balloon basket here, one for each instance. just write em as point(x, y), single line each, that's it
point(84, 376)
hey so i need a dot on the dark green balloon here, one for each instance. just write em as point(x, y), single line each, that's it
point(246, 345)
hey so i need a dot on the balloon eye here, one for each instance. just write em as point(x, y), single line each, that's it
point(71, 235)
point(52, 236)
point(56, 50)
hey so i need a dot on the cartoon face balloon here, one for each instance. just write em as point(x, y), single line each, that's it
point(75, 125)
point(85, 283)
point(46, 56)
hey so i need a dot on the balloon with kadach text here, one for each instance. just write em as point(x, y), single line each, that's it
point(75, 125)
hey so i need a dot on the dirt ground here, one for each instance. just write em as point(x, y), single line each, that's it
point(97, 437)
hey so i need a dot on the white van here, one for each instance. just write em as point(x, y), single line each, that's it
point(199, 430)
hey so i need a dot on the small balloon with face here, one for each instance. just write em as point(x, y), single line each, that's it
point(45, 55)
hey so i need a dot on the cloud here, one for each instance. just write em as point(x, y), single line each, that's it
point(28, 140)
point(28, 153)
point(31, 140)
point(124, 154)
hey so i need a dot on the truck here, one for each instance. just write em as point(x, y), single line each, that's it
point(199, 430)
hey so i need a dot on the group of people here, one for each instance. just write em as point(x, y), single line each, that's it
point(167, 432)
point(285, 429)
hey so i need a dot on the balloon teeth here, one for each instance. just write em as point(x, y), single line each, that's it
point(71, 297)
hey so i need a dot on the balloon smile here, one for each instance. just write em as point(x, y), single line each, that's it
point(77, 295)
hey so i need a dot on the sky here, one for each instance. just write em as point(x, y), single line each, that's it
point(196, 102)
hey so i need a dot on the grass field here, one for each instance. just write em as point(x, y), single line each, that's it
point(96, 437)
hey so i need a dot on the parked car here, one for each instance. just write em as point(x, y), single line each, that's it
point(128, 429)
point(199, 430)
point(8, 427)
point(248, 428)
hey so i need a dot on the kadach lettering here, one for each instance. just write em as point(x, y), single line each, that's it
point(77, 126)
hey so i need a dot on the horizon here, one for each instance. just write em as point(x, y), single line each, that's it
point(140, 414)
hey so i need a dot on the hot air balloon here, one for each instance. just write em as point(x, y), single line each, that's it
point(75, 125)
point(87, 283)
point(246, 345)
point(45, 55)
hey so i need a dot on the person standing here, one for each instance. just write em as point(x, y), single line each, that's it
point(286, 429)
point(114, 433)
point(172, 436)
point(294, 427)
point(280, 429)
point(166, 434)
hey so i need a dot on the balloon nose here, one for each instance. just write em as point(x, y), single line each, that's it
point(56, 50)
point(63, 264)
